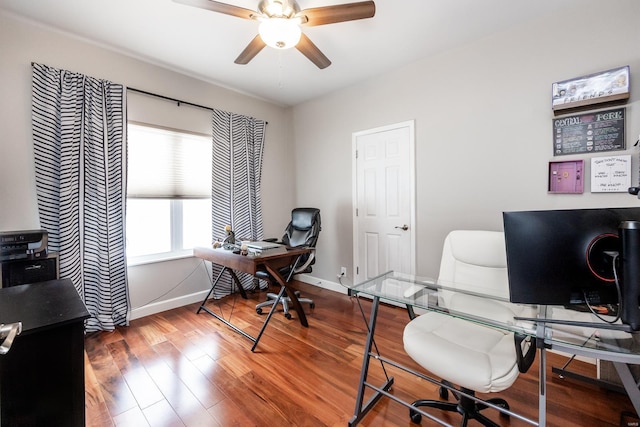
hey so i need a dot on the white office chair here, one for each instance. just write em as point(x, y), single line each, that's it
point(467, 354)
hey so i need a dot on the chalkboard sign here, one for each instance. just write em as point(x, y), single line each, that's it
point(591, 132)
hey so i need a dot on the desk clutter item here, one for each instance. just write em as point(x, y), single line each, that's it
point(229, 242)
point(261, 245)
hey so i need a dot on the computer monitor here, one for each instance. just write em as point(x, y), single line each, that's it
point(564, 257)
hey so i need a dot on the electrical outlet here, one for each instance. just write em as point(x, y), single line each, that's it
point(343, 271)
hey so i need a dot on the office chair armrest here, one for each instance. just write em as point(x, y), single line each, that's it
point(525, 360)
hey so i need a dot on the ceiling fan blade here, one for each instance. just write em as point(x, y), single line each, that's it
point(253, 48)
point(311, 51)
point(338, 13)
point(219, 7)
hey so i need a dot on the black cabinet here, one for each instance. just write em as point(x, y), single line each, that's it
point(42, 375)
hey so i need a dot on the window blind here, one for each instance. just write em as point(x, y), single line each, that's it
point(167, 164)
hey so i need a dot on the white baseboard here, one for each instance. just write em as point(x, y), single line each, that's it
point(161, 306)
point(325, 284)
point(180, 301)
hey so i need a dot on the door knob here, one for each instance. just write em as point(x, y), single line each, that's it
point(405, 227)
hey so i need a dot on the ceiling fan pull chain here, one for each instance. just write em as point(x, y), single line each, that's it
point(280, 70)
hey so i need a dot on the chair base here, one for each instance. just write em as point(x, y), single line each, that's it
point(285, 301)
point(469, 408)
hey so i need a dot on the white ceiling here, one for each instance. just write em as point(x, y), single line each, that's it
point(204, 44)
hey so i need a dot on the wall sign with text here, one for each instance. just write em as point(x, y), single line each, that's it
point(590, 132)
point(610, 174)
point(606, 86)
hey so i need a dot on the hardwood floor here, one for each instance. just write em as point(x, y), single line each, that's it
point(179, 368)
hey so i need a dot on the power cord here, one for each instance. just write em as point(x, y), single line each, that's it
point(176, 285)
point(614, 255)
point(340, 276)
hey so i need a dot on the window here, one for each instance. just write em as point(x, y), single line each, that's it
point(168, 192)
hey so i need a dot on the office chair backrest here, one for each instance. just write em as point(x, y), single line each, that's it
point(304, 228)
point(476, 261)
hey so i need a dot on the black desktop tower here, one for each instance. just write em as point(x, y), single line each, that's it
point(630, 237)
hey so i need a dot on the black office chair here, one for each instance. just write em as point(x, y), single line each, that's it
point(303, 230)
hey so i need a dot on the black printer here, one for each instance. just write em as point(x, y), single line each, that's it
point(24, 258)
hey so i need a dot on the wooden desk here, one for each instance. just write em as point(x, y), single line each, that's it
point(270, 261)
point(42, 375)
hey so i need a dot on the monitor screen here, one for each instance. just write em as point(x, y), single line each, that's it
point(559, 257)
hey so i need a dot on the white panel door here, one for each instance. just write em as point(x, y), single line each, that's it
point(384, 201)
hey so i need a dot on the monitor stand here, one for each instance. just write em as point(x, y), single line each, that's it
point(630, 238)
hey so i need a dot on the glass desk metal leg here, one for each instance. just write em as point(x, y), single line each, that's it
point(629, 384)
point(361, 411)
point(542, 385)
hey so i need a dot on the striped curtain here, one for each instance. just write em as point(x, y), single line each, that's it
point(79, 137)
point(238, 144)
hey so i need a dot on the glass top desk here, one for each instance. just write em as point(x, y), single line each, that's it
point(552, 327)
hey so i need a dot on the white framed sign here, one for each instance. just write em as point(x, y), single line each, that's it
point(610, 174)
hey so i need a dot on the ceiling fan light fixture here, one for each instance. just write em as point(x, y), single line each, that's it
point(278, 9)
point(280, 33)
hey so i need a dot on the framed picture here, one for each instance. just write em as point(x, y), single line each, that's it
point(566, 177)
point(596, 88)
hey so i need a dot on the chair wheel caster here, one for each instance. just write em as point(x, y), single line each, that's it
point(288, 316)
point(504, 405)
point(415, 416)
point(259, 310)
point(312, 305)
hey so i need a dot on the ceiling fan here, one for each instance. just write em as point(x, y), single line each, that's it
point(280, 22)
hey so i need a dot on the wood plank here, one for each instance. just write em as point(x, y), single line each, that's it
point(197, 371)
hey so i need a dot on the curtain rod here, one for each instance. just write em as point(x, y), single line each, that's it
point(167, 98)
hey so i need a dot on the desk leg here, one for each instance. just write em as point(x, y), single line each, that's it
point(361, 411)
point(220, 318)
point(266, 321)
point(629, 384)
point(213, 286)
point(290, 293)
point(237, 282)
point(542, 387)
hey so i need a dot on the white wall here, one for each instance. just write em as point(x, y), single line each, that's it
point(483, 128)
point(22, 43)
point(483, 131)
